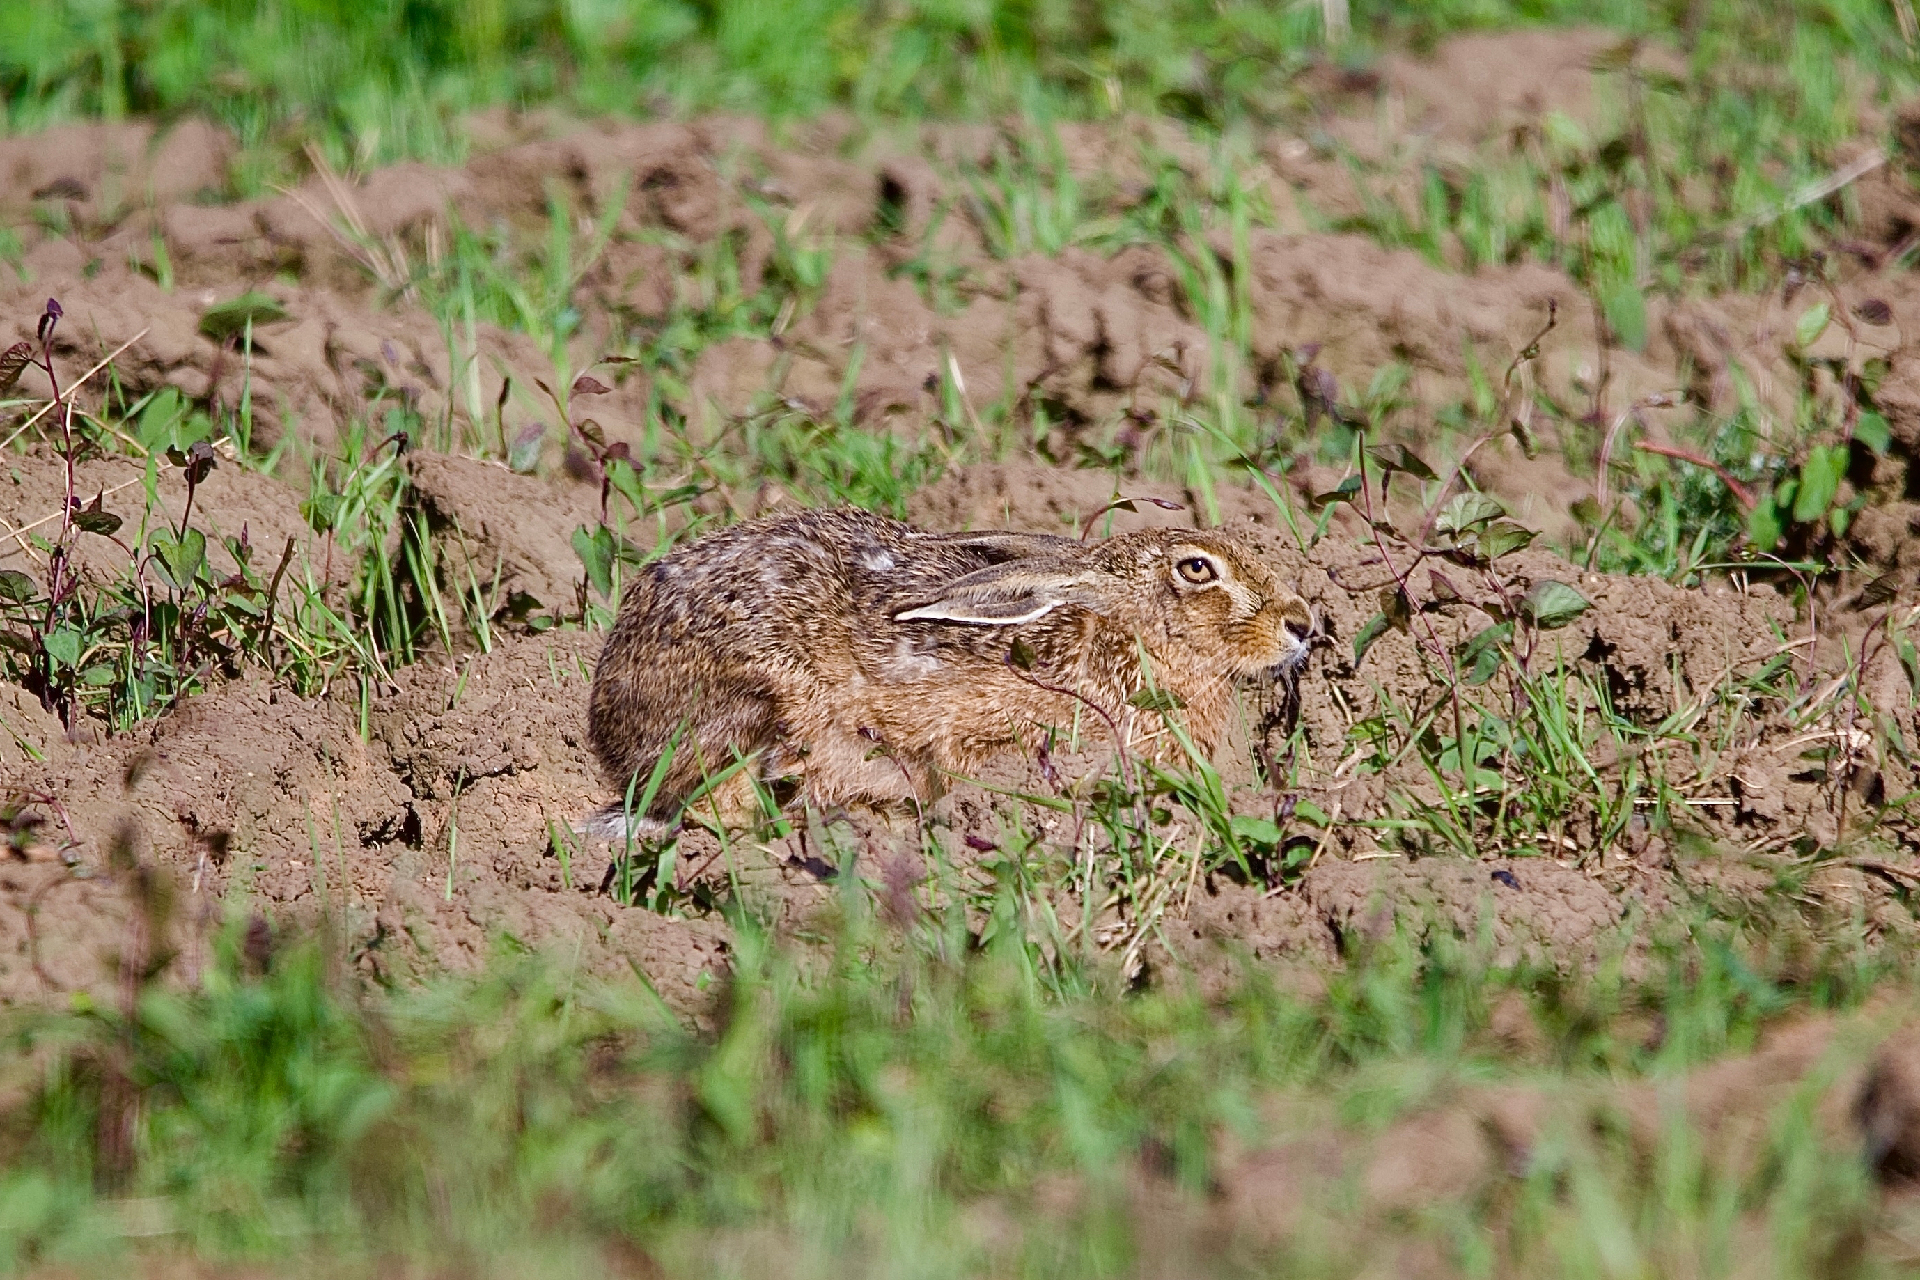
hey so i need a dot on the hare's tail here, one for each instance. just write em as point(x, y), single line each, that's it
point(615, 823)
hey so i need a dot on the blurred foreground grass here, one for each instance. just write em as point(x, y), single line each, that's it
point(913, 1106)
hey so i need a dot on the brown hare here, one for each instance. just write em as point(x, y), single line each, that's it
point(868, 659)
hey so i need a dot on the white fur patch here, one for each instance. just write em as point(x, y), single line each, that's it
point(907, 664)
point(614, 823)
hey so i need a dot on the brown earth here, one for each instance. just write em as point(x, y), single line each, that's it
point(429, 825)
point(426, 843)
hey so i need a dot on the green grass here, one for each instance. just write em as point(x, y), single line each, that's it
point(383, 80)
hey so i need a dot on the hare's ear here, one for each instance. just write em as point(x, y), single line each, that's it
point(982, 613)
point(1005, 595)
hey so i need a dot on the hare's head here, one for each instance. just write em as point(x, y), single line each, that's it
point(1202, 599)
point(1206, 593)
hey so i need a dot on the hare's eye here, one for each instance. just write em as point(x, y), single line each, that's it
point(1197, 570)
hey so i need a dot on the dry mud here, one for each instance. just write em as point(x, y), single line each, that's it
point(425, 825)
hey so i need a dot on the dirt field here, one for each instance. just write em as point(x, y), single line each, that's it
point(1562, 910)
point(426, 819)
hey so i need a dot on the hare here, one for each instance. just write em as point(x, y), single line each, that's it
point(868, 659)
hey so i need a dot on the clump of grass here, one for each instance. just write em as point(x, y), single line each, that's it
point(158, 631)
point(363, 598)
point(1622, 209)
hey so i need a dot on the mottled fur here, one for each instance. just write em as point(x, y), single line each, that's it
point(867, 658)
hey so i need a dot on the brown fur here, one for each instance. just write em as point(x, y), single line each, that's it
point(781, 642)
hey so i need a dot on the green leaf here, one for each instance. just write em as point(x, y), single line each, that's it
point(625, 480)
point(1501, 537)
point(182, 558)
point(16, 586)
point(1910, 659)
point(224, 320)
point(1342, 492)
point(1564, 132)
point(1157, 700)
point(523, 454)
point(1376, 627)
point(596, 551)
point(98, 677)
point(1480, 656)
point(158, 419)
point(1310, 813)
point(63, 647)
point(1257, 831)
point(1550, 603)
point(1820, 477)
point(1397, 457)
point(103, 523)
point(1466, 510)
point(322, 511)
point(1764, 526)
point(1872, 431)
point(192, 554)
point(1811, 324)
